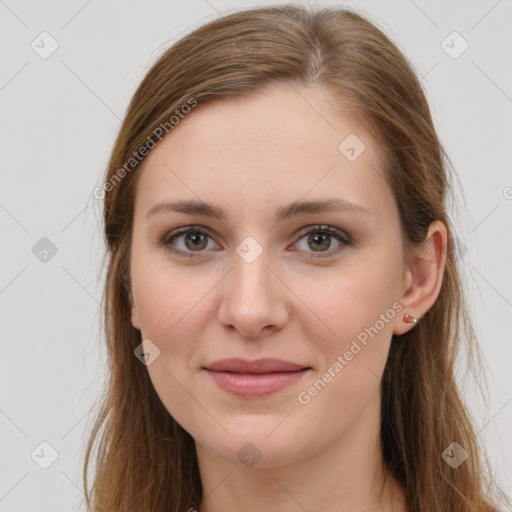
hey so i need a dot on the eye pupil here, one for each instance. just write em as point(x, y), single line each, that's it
point(195, 237)
point(318, 237)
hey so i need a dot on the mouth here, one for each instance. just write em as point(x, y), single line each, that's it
point(255, 378)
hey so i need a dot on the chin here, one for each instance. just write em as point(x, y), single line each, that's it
point(264, 446)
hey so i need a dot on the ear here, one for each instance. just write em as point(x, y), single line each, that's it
point(134, 313)
point(423, 276)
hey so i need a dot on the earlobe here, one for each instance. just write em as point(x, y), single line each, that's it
point(424, 278)
point(404, 323)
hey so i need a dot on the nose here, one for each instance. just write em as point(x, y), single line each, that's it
point(254, 299)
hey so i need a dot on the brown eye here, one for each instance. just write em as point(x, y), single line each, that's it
point(195, 240)
point(320, 240)
point(187, 241)
point(318, 244)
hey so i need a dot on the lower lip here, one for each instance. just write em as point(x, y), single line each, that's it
point(255, 384)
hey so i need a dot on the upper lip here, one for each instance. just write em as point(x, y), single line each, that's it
point(267, 365)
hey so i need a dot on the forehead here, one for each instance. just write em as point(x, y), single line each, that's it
point(286, 142)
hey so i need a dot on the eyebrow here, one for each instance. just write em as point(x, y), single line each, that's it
point(286, 212)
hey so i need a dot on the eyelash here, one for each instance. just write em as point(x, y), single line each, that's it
point(342, 237)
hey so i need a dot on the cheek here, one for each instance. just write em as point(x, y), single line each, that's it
point(358, 309)
point(167, 297)
point(171, 307)
point(361, 296)
point(174, 307)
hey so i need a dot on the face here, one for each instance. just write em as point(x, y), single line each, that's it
point(310, 286)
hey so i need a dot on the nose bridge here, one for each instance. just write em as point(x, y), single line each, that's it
point(252, 299)
point(250, 275)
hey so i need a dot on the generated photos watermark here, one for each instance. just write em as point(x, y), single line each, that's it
point(337, 366)
point(139, 155)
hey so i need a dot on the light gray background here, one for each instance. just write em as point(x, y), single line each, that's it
point(59, 118)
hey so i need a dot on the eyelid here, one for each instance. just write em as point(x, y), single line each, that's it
point(184, 230)
point(339, 234)
point(324, 228)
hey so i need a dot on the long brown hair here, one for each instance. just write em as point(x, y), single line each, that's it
point(145, 461)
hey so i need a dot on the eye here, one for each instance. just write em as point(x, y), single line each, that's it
point(195, 240)
point(320, 238)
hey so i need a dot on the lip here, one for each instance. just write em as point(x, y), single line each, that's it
point(266, 365)
point(256, 378)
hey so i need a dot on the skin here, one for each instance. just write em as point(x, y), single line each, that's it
point(251, 156)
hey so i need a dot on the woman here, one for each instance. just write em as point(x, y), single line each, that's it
point(282, 305)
